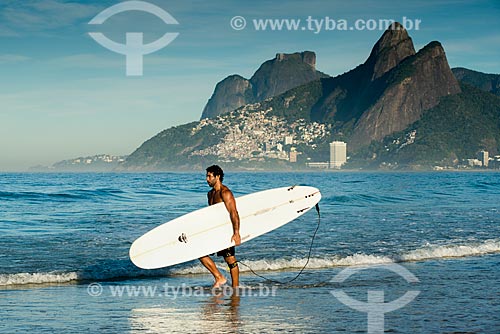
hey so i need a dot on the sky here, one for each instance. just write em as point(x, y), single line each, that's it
point(63, 95)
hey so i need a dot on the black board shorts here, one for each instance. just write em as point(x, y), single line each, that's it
point(226, 252)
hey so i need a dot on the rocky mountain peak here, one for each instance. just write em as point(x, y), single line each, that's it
point(284, 72)
point(275, 76)
point(393, 47)
point(307, 57)
point(417, 84)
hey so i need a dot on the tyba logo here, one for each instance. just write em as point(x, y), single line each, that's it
point(375, 306)
point(134, 48)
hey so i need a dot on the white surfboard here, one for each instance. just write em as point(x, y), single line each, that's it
point(208, 230)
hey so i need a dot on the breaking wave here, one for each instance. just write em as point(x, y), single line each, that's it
point(425, 253)
point(37, 278)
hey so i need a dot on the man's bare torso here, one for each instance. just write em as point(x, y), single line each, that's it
point(215, 196)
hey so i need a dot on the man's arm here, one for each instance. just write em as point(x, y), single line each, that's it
point(230, 203)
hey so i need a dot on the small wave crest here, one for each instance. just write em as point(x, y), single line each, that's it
point(66, 196)
point(36, 278)
point(104, 274)
point(426, 253)
point(451, 251)
point(291, 264)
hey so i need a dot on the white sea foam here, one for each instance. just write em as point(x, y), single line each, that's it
point(290, 264)
point(37, 278)
point(451, 251)
point(421, 254)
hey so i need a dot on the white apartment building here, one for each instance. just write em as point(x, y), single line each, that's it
point(338, 154)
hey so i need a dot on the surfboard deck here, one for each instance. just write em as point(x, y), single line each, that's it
point(208, 230)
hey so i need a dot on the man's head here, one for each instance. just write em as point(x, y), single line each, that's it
point(214, 172)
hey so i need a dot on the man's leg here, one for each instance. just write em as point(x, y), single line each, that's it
point(233, 269)
point(210, 265)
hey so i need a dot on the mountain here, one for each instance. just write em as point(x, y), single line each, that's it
point(171, 148)
point(486, 82)
point(414, 86)
point(384, 95)
point(246, 138)
point(274, 77)
point(399, 108)
point(95, 163)
point(457, 128)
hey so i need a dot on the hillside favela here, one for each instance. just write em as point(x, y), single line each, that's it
point(401, 109)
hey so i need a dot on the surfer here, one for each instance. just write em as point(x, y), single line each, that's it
point(221, 193)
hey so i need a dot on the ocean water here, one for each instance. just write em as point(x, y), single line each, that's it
point(64, 266)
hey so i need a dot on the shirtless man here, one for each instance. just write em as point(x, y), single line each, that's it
point(221, 193)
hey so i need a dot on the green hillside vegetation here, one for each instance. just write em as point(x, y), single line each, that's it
point(487, 82)
point(170, 148)
point(295, 103)
point(456, 129)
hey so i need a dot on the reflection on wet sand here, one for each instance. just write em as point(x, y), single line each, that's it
point(245, 311)
point(217, 313)
point(223, 307)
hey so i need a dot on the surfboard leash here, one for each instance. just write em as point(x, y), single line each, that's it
point(305, 265)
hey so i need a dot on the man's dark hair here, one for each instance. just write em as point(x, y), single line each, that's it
point(216, 170)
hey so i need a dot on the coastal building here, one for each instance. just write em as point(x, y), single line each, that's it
point(483, 156)
point(494, 162)
point(474, 162)
point(338, 154)
point(320, 165)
